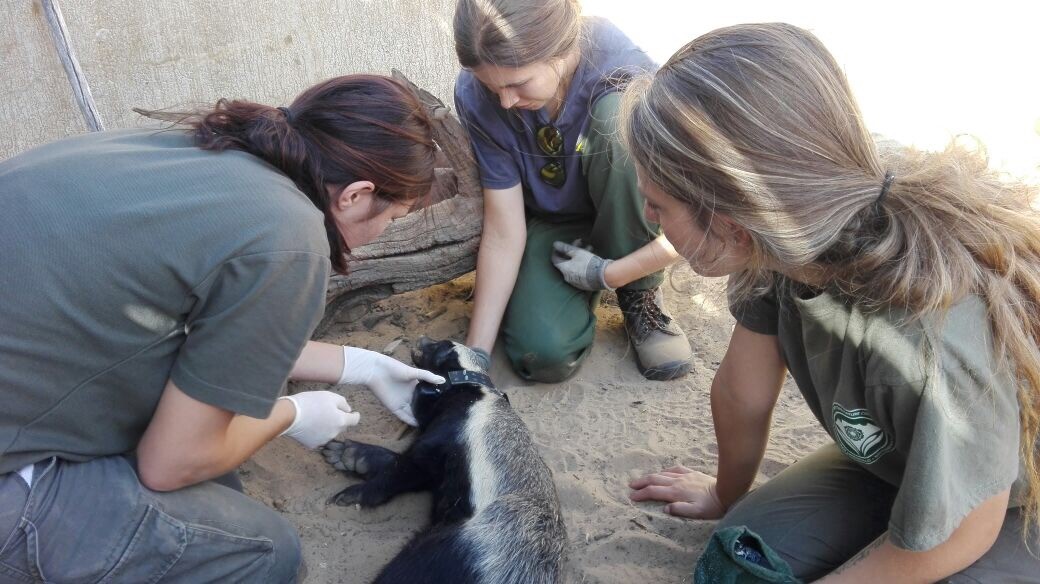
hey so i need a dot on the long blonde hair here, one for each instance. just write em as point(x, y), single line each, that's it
point(757, 122)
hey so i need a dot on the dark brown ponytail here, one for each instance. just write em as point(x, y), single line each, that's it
point(347, 129)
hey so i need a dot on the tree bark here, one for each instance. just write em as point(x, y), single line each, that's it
point(430, 246)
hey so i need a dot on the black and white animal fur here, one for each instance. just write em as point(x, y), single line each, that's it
point(496, 516)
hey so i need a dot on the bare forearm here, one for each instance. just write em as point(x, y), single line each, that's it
point(212, 452)
point(652, 257)
point(319, 362)
point(742, 435)
point(881, 561)
point(498, 263)
point(743, 395)
point(245, 436)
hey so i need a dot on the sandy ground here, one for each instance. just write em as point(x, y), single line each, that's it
point(596, 431)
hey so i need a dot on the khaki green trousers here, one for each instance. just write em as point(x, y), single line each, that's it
point(548, 326)
point(823, 509)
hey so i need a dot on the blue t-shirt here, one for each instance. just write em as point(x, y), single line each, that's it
point(504, 140)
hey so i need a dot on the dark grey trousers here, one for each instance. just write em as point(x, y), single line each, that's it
point(822, 510)
point(94, 522)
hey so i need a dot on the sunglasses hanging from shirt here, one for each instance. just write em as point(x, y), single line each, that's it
point(550, 142)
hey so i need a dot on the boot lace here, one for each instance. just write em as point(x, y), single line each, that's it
point(640, 308)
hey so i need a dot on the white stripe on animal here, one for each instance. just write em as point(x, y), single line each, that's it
point(482, 474)
point(466, 360)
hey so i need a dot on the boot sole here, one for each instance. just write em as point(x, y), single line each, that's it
point(666, 372)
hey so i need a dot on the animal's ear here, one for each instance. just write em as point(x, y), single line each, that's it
point(427, 353)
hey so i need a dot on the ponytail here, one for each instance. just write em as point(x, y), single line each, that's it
point(953, 227)
point(347, 129)
point(757, 123)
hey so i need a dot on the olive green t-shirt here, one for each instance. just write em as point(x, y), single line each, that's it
point(944, 430)
point(133, 257)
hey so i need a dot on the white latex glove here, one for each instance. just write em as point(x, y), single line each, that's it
point(389, 379)
point(320, 417)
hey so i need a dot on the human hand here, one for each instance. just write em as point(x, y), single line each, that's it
point(390, 380)
point(320, 417)
point(580, 267)
point(689, 493)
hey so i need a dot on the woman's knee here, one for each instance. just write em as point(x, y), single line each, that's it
point(547, 359)
point(229, 532)
point(287, 551)
point(546, 349)
point(533, 368)
point(795, 549)
point(794, 512)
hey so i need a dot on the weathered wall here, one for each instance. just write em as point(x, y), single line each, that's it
point(36, 102)
point(163, 53)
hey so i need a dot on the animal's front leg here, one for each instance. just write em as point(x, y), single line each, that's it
point(365, 460)
point(388, 474)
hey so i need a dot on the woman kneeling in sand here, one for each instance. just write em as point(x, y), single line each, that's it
point(159, 289)
point(900, 291)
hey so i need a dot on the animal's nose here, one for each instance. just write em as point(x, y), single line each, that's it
point(420, 349)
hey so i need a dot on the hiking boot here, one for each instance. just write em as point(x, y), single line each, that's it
point(662, 349)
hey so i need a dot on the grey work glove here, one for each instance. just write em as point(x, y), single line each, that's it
point(483, 358)
point(580, 267)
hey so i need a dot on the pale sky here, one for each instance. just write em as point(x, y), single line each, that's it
point(921, 71)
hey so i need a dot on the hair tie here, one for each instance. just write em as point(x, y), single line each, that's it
point(889, 178)
point(288, 115)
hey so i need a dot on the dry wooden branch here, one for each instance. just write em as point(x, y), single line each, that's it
point(77, 80)
point(431, 246)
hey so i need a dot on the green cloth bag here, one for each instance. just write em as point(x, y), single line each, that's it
point(736, 555)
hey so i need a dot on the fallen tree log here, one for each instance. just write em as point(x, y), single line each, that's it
point(430, 246)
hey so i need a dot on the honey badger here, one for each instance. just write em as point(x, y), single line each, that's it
point(496, 516)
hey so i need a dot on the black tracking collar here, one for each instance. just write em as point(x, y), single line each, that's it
point(465, 377)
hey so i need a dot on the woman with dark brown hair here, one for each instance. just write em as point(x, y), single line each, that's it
point(161, 288)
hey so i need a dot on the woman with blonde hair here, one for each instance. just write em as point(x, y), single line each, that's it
point(539, 94)
point(900, 290)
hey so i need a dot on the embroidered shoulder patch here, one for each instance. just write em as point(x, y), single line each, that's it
point(857, 435)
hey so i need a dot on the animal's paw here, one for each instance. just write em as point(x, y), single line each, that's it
point(341, 455)
point(348, 496)
point(354, 457)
